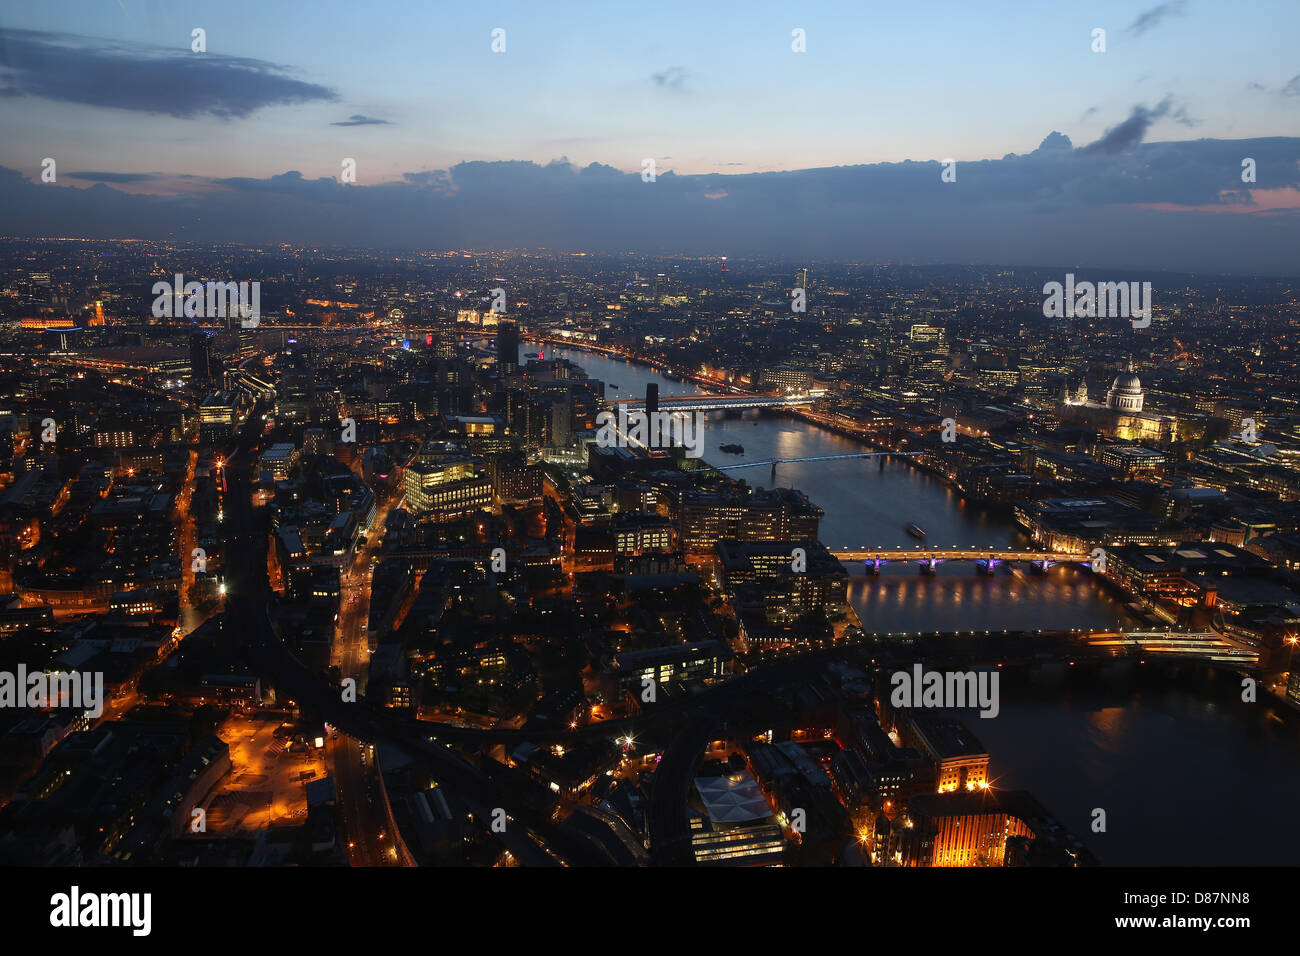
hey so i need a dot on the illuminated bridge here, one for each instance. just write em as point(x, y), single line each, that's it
point(710, 403)
point(958, 554)
point(782, 461)
point(1197, 645)
point(929, 558)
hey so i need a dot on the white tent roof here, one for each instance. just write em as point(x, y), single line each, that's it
point(733, 799)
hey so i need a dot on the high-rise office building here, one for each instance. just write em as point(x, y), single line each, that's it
point(561, 419)
point(249, 344)
point(926, 334)
point(508, 347)
point(801, 279)
point(202, 362)
point(441, 343)
point(652, 398)
point(295, 394)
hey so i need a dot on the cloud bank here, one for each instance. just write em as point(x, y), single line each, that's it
point(146, 79)
point(1177, 206)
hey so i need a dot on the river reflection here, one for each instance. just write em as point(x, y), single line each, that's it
point(1187, 775)
point(869, 504)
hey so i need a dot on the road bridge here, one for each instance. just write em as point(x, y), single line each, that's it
point(959, 554)
point(782, 461)
point(1187, 645)
point(929, 559)
point(716, 403)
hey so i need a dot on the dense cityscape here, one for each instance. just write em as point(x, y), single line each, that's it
point(386, 574)
point(852, 448)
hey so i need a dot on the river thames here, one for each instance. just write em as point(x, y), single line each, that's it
point(1169, 765)
point(869, 503)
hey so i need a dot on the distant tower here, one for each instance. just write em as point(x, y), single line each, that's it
point(660, 281)
point(652, 398)
point(801, 279)
point(201, 358)
point(508, 347)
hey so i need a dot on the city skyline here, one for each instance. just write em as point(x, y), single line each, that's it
point(688, 437)
point(1106, 159)
point(936, 577)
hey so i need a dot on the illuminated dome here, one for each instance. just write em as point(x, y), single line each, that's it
point(1125, 393)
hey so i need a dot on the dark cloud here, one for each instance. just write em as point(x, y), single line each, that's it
point(291, 183)
point(1128, 134)
point(75, 69)
point(1292, 87)
point(114, 177)
point(356, 119)
point(673, 78)
point(1053, 205)
point(1179, 114)
point(1150, 19)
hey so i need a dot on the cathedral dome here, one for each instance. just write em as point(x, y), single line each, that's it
point(1125, 393)
point(1127, 382)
